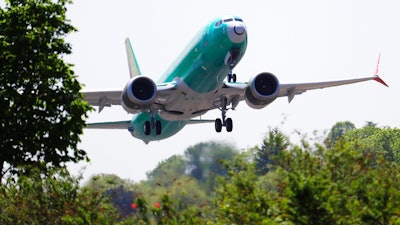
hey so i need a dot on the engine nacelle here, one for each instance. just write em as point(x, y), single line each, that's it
point(138, 94)
point(262, 90)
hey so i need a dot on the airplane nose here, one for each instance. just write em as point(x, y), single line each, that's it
point(236, 32)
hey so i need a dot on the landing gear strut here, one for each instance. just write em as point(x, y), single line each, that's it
point(224, 122)
point(153, 124)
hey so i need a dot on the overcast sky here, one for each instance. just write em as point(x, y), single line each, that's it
point(298, 41)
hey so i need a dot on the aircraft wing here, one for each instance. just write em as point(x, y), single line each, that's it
point(103, 98)
point(107, 98)
point(291, 90)
point(236, 91)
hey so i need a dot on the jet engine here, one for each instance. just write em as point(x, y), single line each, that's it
point(138, 94)
point(262, 90)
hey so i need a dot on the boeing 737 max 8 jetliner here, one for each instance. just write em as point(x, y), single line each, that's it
point(200, 80)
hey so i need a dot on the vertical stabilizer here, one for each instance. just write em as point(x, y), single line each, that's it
point(134, 69)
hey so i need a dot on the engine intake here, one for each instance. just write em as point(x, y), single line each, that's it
point(262, 90)
point(138, 94)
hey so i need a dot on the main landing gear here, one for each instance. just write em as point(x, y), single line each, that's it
point(224, 122)
point(153, 124)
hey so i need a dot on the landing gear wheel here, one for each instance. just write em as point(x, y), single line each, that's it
point(224, 122)
point(218, 125)
point(229, 124)
point(231, 78)
point(146, 128)
point(158, 127)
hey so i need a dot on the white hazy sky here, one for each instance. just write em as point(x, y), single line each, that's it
point(298, 41)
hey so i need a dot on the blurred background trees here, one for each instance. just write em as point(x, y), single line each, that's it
point(355, 181)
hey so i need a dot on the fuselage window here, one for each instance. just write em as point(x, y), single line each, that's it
point(217, 24)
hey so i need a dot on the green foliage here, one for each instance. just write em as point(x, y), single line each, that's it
point(103, 182)
point(167, 170)
point(312, 186)
point(164, 212)
point(274, 142)
point(120, 192)
point(239, 199)
point(41, 110)
point(339, 186)
point(309, 184)
point(122, 200)
point(372, 139)
point(337, 132)
point(349, 183)
point(33, 199)
point(90, 207)
point(204, 161)
point(52, 199)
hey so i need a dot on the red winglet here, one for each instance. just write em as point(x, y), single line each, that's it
point(377, 78)
point(377, 64)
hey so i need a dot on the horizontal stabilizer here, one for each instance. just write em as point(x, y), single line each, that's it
point(110, 125)
point(200, 121)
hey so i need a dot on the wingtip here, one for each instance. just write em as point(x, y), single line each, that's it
point(378, 79)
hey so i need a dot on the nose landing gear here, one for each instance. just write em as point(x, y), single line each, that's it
point(231, 59)
point(231, 77)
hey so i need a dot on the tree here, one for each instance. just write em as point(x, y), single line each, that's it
point(341, 185)
point(122, 200)
point(103, 182)
point(337, 131)
point(167, 171)
point(119, 191)
point(373, 139)
point(239, 198)
point(274, 142)
point(309, 184)
point(204, 161)
point(52, 199)
point(42, 112)
point(338, 186)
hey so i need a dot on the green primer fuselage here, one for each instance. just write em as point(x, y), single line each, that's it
point(202, 67)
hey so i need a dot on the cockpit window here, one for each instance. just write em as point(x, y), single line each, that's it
point(227, 20)
point(217, 24)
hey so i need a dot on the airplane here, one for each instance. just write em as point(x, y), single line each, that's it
point(199, 80)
